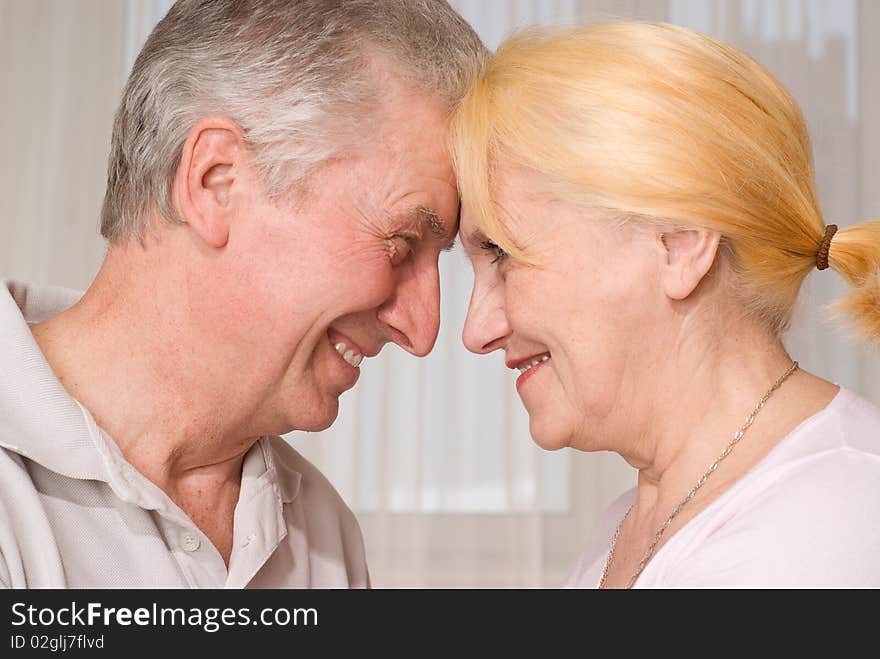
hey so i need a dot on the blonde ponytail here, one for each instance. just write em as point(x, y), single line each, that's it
point(855, 254)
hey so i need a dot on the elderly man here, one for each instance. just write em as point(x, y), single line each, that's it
point(279, 191)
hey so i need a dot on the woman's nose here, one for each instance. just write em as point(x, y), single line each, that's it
point(486, 327)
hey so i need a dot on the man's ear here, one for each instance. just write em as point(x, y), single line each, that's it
point(687, 255)
point(209, 162)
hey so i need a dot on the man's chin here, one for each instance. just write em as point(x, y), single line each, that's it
point(315, 420)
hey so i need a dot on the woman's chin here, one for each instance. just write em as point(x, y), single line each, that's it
point(550, 436)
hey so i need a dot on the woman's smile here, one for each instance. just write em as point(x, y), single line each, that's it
point(528, 367)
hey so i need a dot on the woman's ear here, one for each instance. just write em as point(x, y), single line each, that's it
point(209, 161)
point(687, 256)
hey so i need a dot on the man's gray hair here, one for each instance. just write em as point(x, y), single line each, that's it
point(294, 74)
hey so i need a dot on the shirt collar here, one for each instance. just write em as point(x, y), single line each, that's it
point(41, 420)
point(286, 478)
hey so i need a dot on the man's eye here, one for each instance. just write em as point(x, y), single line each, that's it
point(499, 254)
point(399, 249)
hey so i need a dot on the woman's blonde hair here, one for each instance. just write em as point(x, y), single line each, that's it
point(659, 122)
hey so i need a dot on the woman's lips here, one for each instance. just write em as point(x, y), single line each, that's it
point(531, 366)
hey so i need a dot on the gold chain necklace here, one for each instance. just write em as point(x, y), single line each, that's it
point(690, 495)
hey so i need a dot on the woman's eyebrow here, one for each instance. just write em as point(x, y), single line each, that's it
point(476, 238)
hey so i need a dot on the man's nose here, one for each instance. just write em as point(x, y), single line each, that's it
point(486, 327)
point(412, 313)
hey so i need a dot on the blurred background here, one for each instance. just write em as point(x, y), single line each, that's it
point(434, 455)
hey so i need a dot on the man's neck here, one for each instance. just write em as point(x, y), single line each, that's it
point(123, 354)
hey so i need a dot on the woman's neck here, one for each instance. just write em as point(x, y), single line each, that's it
point(701, 400)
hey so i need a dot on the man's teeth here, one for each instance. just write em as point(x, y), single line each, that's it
point(537, 360)
point(352, 357)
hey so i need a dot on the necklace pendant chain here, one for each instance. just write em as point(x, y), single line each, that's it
point(738, 435)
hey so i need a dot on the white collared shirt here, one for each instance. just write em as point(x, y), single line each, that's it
point(75, 514)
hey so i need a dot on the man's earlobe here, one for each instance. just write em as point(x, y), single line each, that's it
point(206, 176)
point(688, 256)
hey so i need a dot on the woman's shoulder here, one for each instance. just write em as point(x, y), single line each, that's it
point(856, 412)
point(859, 420)
point(816, 524)
point(846, 431)
point(828, 466)
point(805, 517)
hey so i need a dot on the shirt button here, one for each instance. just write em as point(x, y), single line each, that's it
point(189, 541)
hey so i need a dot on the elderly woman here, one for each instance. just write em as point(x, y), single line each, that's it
point(640, 211)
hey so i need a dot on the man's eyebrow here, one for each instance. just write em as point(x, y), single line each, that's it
point(432, 221)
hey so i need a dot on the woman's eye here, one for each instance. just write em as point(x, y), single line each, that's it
point(399, 249)
point(499, 254)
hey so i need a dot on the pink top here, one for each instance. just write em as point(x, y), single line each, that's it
point(806, 516)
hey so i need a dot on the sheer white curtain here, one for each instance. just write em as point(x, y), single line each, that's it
point(434, 454)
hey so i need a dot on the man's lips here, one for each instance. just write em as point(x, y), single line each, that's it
point(351, 351)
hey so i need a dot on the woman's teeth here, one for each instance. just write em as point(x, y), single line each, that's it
point(537, 360)
point(352, 357)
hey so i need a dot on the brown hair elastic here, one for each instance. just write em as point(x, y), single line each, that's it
point(825, 247)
